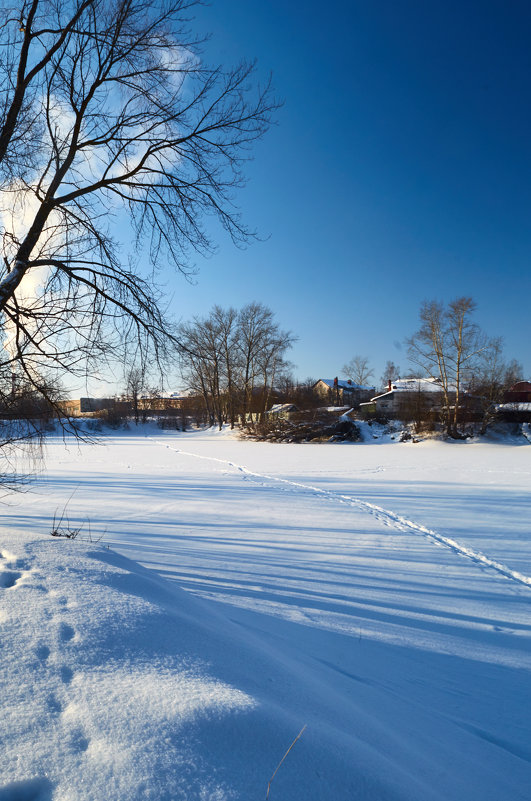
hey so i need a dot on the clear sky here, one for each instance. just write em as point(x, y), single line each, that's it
point(399, 170)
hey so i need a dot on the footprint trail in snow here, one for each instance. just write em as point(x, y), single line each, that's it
point(389, 518)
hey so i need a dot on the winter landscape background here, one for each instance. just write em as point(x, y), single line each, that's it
point(203, 617)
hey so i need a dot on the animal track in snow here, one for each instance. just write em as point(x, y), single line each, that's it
point(76, 736)
point(8, 578)
point(66, 632)
point(12, 570)
point(78, 741)
point(12, 561)
point(66, 674)
point(43, 652)
point(39, 789)
point(389, 518)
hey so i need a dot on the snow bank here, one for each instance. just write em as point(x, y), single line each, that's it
point(104, 694)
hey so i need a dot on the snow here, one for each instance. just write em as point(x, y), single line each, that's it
point(412, 385)
point(377, 592)
point(417, 385)
point(277, 408)
point(514, 406)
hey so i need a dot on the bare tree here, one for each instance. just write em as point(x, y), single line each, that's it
point(226, 322)
point(391, 373)
point(358, 370)
point(135, 384)
point(273, 366)
point(261, 345)
point(233, 359)
point(448, 347)
point(415, 407)
point(201, 359)
point(108, 115)
point(300, 393)
point(492, 376)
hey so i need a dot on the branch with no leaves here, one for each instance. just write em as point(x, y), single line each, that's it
point(108, 108)
point(62, 527)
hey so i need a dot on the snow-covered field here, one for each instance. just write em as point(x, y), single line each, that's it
point(377, 592)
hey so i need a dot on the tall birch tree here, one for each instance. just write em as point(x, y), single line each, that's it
point(448, 346)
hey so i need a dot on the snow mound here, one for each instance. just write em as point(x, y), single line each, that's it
point(104, 691)
point(119, 685)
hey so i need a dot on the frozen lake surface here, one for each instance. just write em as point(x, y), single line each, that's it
point(376, 592)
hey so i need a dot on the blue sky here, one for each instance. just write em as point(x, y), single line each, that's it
point(398, 171)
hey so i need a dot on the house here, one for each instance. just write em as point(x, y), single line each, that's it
point(516, 406)
point(88, 406)
point(515, 412)
point(95, 404)
point(341, 392)
point(518, 393)
point(163, 401)
point(70, 408)
point(405, 393)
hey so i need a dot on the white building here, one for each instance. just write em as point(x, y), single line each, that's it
point(403, 393)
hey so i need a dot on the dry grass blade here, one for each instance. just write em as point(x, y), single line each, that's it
point(299, 735)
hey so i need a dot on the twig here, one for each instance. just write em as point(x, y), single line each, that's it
point(60, 530)
point(299, 735)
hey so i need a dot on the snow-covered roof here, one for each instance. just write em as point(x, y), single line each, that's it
point(416, 385)
point(515, 406)
point(167, 395)
point(411, 385)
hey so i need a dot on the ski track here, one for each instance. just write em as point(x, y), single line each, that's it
point(389, 518)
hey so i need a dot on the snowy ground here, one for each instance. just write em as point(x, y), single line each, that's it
point(377, 592)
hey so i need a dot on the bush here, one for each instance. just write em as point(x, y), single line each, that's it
point(112, 418)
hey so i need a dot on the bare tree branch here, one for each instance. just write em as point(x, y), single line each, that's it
point(107, 113)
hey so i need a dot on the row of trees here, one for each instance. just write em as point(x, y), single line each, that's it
point(450, 347)
point(234, 359)
point(117, 140)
